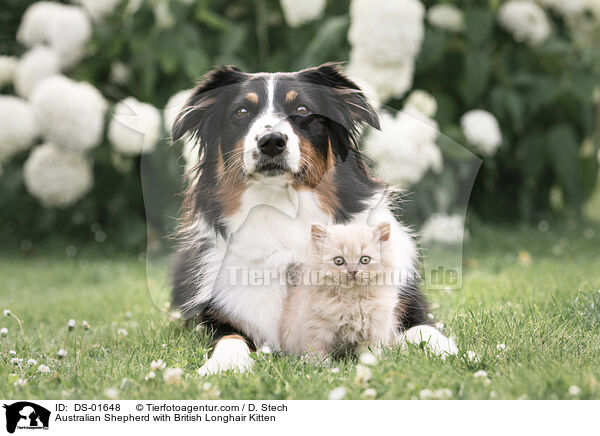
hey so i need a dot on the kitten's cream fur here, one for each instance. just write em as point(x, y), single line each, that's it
point(353, 307)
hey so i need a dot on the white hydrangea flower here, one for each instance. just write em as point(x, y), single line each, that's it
point(481, 129)
point(36, 65)
point(162, 14)
point(387, 31)
point(70, 114)
point(297, 13)
point(388, 80)
point(385, 37)
point(98, 9)
point(423, 102)
point(174, 106)
point(404, 149)
point(65, 28)
point(119, 73)
point(57, 177)
point(447, 229)
point(566, 8)
point(18, 128)
point(172, 109)
point(446, 17)
point(135, 127)
point(525, 21)
point(8, 65)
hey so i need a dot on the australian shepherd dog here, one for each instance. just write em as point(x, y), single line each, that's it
point(277, 153)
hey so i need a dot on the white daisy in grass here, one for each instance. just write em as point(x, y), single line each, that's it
point(71, 324)
point(151, 375)
point(369, 393)
point(111, 393)
point(172, 376)
point(19, 383)
point(85, 324)
point(4, 331)
point(12, 353)
point(122, 332)
point(16, 361)
point(338, 393)
point(43, 369)
point(480, 374)
point(363, 375)
point(61, 353)
point(335, 370)
point(574, 390)
point(368, 359)
point(501, 347)
point(473, 357)
point(158, 365)
point(32, 362)
point(6, 312)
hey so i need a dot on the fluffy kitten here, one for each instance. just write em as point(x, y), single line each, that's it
point(343, 303)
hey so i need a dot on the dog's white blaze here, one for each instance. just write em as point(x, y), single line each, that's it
point(271, 94)
point(270, 120)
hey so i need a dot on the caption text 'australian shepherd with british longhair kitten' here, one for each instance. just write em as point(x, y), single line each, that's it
point(277, 154)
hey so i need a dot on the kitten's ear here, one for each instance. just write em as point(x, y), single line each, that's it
point(384, 232)
point(317, 234)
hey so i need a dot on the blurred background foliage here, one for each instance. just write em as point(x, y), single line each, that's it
point(543, 98)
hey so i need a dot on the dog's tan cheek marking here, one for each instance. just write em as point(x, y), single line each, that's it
point(312, 163)
point(291, 96)
point(252, 97)
point(231, 186)
point(327, 194)
point(220, 162)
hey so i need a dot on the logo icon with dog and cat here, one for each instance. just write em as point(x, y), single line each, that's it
point(26, 415)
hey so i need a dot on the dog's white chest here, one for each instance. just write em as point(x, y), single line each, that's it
point(269, 235)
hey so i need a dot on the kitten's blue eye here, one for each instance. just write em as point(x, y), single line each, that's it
point(365, 260)
point(339, 260)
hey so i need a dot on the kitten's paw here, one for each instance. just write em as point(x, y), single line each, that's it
point(229, 354)
point(434, 340)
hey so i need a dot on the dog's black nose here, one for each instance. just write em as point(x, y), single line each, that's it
point(272, 143)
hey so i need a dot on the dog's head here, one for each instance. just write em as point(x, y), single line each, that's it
point(271, 126)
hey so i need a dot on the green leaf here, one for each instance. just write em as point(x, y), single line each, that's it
point(475, 77)
point(432, 50)
point(196, 62)
point(479, 23)
point(562, 147)
point(325, 43)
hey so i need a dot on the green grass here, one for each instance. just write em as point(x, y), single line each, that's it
point(547, 313)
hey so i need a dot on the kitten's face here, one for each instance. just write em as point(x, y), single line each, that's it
point(352, 254)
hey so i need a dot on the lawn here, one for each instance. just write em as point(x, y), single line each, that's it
point(536, 292)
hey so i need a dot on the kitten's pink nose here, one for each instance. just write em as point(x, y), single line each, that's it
point(352, 272)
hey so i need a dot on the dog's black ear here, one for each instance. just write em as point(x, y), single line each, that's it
point(356, 106)
point(205, 96)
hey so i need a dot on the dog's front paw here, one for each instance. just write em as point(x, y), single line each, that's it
point(434, 340)
point(230, 354)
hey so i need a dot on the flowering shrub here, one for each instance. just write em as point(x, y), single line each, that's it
point(99, 84)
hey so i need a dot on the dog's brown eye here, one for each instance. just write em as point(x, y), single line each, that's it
point(365, 260)
point(339, 260)
point(241, 112)
point(302, 110)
